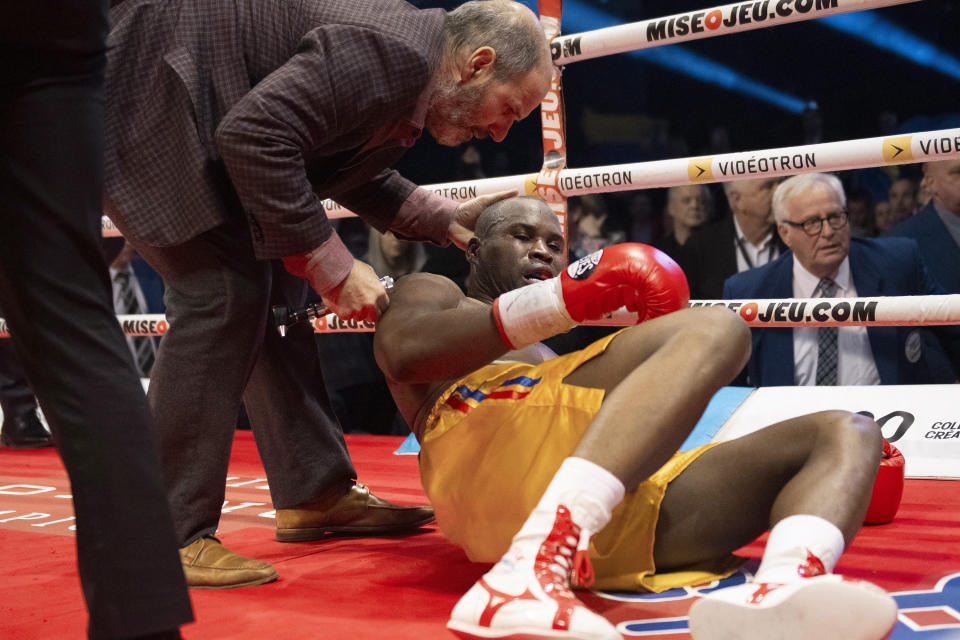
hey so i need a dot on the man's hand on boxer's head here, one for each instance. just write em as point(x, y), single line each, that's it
point(361, 296)
point(466, 214)
point(460, 235)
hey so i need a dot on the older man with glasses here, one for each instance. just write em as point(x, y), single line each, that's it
point(823, 261)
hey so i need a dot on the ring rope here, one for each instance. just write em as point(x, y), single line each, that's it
point(702, 23)
point(880, 311)
point(924, 146)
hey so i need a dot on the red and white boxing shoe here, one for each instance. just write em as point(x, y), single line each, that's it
point(824, 607)
point(527, 596)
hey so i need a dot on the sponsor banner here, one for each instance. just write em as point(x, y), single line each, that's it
point(331, 323)
point(553, 128)
point(923, 421)
point(838, 312)
point(702, 23)
point(143, 324)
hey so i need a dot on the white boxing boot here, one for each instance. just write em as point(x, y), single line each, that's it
point(527, 596)
point(824, 607)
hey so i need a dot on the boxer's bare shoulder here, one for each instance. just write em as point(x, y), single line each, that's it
point(414, 297)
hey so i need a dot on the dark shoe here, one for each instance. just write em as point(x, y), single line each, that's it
point(207, 564)
point(25, 432)
point(355, 512)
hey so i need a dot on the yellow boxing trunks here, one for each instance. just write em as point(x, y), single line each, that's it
point(495, 439)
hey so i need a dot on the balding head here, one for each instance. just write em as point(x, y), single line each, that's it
point(510, 28)
point(942, 179)
point(516, 241)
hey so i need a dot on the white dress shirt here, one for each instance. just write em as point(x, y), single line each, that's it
point(855, 364)
point(751, 255)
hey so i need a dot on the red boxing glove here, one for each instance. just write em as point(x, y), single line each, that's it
point(640, 279)
point(888, 487)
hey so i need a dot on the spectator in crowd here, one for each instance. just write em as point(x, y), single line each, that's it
point(902, 199)
point(936, 228)
point(743, 240)
point(645, 225)
point(823, 261)
point(130, 298)
point(861, 212)
point(22, 426)
point(881, 215)
point(924, 191)
point(688, 207)
point(393, 256)
point(590, 226)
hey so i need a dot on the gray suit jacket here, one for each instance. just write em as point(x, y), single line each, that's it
point(222, 108)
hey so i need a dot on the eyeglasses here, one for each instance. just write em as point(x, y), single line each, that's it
point(813, 226)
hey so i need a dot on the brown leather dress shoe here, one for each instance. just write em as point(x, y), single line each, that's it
point(353, 511)
point(207, 564)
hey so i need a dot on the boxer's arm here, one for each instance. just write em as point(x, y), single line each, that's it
point(431, 331)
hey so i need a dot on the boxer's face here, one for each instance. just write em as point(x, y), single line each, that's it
point(526, 246)
point(479, 106)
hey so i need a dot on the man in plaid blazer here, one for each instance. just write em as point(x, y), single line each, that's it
point(227, 125)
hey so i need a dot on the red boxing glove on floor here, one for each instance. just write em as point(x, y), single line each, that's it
point(888, 487)
point(639, 278)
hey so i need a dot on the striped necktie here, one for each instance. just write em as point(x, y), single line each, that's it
point(827, 341)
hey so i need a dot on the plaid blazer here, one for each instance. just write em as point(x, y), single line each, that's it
point(261, 108)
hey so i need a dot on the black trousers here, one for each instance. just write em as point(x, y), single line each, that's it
point(55, 295)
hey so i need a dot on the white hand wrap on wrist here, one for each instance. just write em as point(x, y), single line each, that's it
point(532, 313)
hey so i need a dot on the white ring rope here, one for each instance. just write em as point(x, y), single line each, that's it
point(702, 23)
point(925, 146)
point(881, 311)
point(899, 311)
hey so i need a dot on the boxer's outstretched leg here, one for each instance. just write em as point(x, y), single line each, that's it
point(810, 478)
